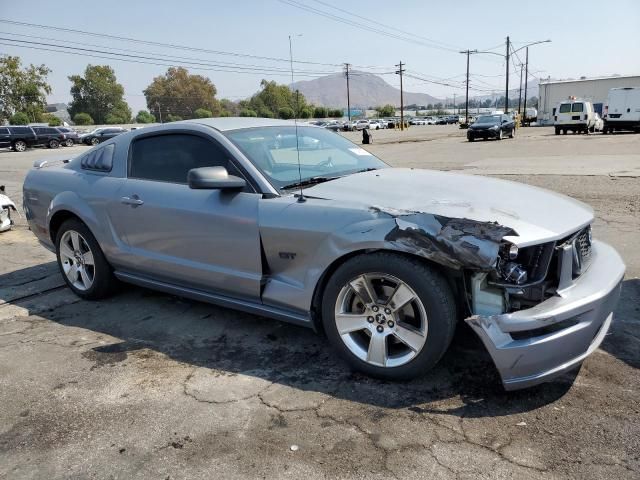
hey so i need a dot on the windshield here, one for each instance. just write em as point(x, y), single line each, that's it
point(323, 153)
point(489, 119)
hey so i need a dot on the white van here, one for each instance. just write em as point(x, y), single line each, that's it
point(622, 111)
point(574, 115)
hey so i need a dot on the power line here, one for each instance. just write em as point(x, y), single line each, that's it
point(435, 42)
point(301, 6)
point(165, 57)
point(147, 60)
point(160, 44)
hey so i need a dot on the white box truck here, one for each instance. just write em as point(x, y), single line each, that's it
point(622, 110)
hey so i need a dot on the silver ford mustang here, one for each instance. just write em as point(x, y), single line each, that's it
point(301, 225)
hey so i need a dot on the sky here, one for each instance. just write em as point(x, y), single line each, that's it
point(589, 38)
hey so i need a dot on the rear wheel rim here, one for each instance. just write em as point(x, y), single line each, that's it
point(76, 259)
point(95, 141)
point(20, 146)
point(69, 143)
point(381, 320)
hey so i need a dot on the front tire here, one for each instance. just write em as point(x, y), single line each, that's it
point(94, 141)
point(512, 134)
point(68, 143)
point(82, 263)
point(500, 134)
point(389, 315)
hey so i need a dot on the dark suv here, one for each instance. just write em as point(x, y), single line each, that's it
point(17, 138)
point(49, 136)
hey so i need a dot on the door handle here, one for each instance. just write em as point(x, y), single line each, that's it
point(133, 200)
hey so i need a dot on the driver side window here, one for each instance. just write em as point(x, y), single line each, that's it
point(168, 158)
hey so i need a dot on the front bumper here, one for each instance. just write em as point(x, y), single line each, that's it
point(485, 133)
point(576, 319)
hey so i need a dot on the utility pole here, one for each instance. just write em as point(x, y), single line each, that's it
point(454, 103)
point(466, 103)
point(506, 90)
point(520, 91)
point(400, 71)
point(159, 111)
point(526, 77)
point(346, 72)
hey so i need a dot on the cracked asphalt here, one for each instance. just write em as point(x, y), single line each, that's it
point(147, 385)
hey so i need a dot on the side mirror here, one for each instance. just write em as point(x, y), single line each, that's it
point(505, 121)
point(213, 178)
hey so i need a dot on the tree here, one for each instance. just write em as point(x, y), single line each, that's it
point(386, 110)
point(145, 117)
point(99, 94)
point(320, 112)
point(82, 118)
point(272, 97)
point(247, 112)
point(180, 93)
point(173, 118)
point(22, 89)
point(336, 113)
point(202, 113)
point(19, 118)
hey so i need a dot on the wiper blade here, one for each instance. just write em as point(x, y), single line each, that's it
point(308, 181)
point(368, 169)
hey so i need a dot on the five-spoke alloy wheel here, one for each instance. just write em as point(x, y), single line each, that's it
point(389, 315)
point(81, 261)
point(381, 320)
point(77, 260)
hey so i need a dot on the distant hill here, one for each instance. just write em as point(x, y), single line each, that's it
point(366, 90)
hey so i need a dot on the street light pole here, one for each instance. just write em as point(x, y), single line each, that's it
point(526, 75)
point(466, 102)
point(520, 91)
point(506, 88)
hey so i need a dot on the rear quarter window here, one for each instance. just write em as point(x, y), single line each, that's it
point(99, 159)
point(4, 131)
point(565, 108)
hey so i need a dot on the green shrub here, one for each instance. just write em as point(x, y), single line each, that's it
point(202, 113)
point(19, 118)
point(52, 120)
point(320, 112)
point(82, 119)
point(173, 118)
point(285, 113)
point(145, 117)
point(247, 112)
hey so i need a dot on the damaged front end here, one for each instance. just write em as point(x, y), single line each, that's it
point(539, 310)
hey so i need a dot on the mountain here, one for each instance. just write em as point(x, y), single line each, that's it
point(366, 90)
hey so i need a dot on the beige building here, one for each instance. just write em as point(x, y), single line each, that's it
point(596, 90)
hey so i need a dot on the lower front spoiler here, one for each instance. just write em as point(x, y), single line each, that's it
point(535, 345)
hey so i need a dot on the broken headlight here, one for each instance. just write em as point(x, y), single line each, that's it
point(507, 267)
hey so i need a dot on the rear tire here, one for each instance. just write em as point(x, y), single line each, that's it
point(82, 263)
point(68, 143)
point(53, 144)
point(404, 343)
point(94, 141)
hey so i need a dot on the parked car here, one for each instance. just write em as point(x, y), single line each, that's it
point(361, 124)
point(573, 115)
point(335, 126)
point(441, 121)
point(377, 124)
point(492, 126)
point(71, 136)
point(219, 210)
point(429, 121)
point(100, 135)
point(417, 121)
point(49, 136)
point(21, 137)
point(622, 111)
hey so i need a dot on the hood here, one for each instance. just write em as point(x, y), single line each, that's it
point(537, 215)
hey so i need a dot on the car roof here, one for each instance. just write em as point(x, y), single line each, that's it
point(224, 124)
